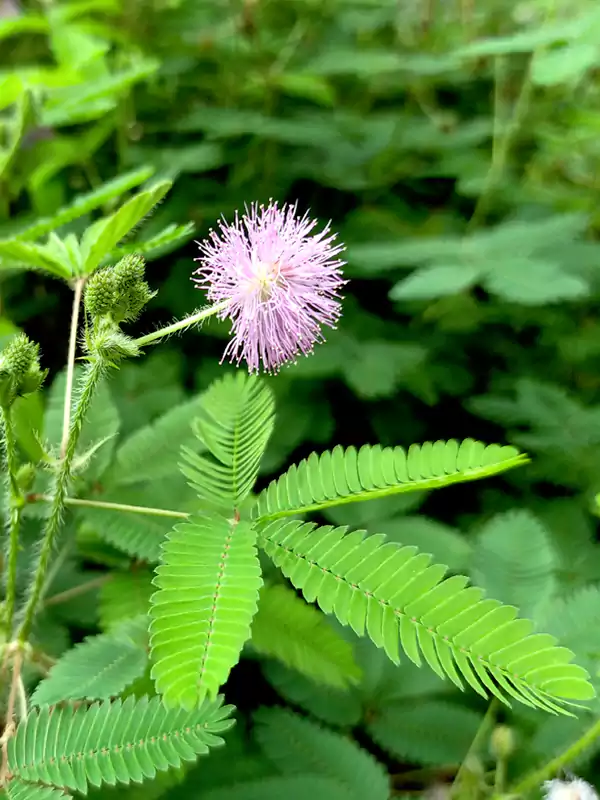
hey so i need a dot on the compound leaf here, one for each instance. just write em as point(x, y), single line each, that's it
point(346, 476)
point(208, 582)
point(397, 596)
point(297, 634)
point(112, 742)
point(234, 425)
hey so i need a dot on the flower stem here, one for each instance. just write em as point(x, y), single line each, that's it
point(91, 378)
point(182, 324)
point(537, 776)
point(148, 510)
point(77, 290)
point(15, 505)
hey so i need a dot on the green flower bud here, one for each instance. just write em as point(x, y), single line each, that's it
point(110, 343)
point(136, 299)
point(25, 477)
point(20, 371)
point(100, 293)
point(502, 742)
point(129, 271)
point(19, 356)
point(33, 380)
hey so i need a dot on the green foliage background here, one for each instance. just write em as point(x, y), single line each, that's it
point(454, 145)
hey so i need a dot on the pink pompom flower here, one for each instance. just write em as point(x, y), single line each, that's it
point(281, 280)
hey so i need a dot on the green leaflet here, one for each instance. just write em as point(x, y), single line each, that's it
point(397, 596)
point(513, 560)
point(152, 451)
point(111, 743)
point(104, 235)
point(84, 203)
point(290, 787)
point(234, 425)
point(208, 582)
point(19, 790)
point(347, 476)
point(429, 732)
point(97, 669)
point(158, 245)
point(297, 634)
point(299, 747)
point(125, 596)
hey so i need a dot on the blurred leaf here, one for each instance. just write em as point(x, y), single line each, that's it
point(533, 282)
point(85, 203)
point(564, 65)
point(437, 281)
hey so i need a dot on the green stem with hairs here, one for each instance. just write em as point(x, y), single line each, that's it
point(15, 505)
point(535, 778)
point(182, 324)
point(92, 375)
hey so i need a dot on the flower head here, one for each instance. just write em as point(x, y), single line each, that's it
point(575, 789)
point(281, 281)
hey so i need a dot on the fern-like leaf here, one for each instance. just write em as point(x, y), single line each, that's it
point(97, 669)
point(152, 451)
point(109, 743)
point(513, 560)
point(346, 476)
point(431, 732)
point(208, 582)
point(297, 634)
point(397, 595)
point(19, 790)
point(299, 746)
point(235, 425)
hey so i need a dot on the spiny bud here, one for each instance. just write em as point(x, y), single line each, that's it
point(100, 293)
point(20, 371)
point(19, 356)
point(129, 271)
point(136, 299)
point(502, 742)
point(111, 344)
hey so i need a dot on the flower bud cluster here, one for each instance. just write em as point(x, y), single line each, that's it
point(20, 371)
point(119, 292)
point(114, 295)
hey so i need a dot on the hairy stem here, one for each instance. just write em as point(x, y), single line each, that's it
point(15, 504)
point(91, 378)
point(148, 510)
point(182, 324)
point(9, 728)
point(537, 776)
point(77, 290)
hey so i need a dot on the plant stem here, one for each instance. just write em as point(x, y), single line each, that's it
point(91, 378)
point(501, 147)
point(536, 777)
point(15, 504)
point(182, 324)
point(484, 726)
point(9, 728)
point(148, 510)
point(75, 591)
point(77, 290)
